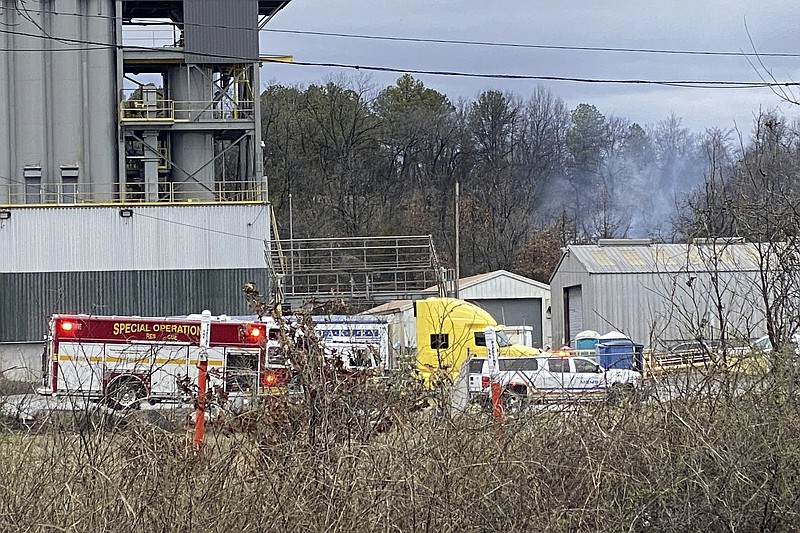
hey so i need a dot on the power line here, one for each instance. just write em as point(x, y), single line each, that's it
point(534, 46)
point(696, 84)
point(392, 38)
point(53, 49)
point(712, 84)
point(99, 45)
point(193, 226)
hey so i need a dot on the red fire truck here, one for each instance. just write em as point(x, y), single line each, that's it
point(127, 359)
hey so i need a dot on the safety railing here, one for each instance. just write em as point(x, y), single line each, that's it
point(147, 110)
point(135, 192)
point(166, 36)
point(161, 110)
point(362, 268)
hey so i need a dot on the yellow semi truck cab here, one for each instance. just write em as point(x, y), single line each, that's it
point(449, 331)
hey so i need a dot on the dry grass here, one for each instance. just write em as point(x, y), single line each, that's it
point(356, 455)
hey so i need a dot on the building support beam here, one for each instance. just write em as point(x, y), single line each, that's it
point(151, 159)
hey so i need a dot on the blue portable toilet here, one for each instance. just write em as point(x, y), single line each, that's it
point(586, 343)
point(615, 350)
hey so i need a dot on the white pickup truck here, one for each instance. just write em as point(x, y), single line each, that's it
point(545, 377)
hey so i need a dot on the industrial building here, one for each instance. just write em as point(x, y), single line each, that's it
point(130, 161)
point(117, 100)
point(518, 302)
point(658, 294)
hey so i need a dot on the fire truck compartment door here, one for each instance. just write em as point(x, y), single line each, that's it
point(241, 369)
point(159, 366)
point(170, 365)
point(80, 367)
point(215, 358)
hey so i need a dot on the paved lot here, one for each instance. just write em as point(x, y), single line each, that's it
point(29, 408)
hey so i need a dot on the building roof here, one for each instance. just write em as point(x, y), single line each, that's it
point(395, 306)
point(497, 284)
point(173, 9)
point(471, 281)
point(638, 257)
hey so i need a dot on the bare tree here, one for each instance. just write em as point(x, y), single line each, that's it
point(755, 198)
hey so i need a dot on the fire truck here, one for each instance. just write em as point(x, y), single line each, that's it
point(125, 360)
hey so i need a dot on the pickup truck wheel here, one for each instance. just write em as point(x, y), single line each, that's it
point(126, 393)
point(621, 392)
point(514, 401)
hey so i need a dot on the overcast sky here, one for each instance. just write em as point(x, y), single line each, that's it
point(703, 25)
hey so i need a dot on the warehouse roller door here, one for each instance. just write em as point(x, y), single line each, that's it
point(573, 309)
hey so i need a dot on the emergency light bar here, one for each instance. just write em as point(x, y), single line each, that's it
point(68, 327)
point(253, 333)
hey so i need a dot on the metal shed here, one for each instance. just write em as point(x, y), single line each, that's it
point(658, 293)
point(511, 299)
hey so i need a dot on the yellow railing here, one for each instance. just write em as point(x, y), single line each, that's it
point(147, 110)
point(161, 110)
point(168, 192)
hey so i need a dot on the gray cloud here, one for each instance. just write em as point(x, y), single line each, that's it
point(714, 25)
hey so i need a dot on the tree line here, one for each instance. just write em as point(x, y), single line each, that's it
point(533, 175)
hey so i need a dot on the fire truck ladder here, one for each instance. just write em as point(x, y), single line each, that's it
point(365, 269)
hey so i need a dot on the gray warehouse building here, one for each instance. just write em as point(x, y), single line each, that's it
point(130, 161)
point(512, 300)
point(658, 294)
point(518, 302)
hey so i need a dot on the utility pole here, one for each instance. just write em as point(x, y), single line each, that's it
point(458, 245)
point(291, 243)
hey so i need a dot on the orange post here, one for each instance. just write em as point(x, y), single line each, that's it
point(497, 405)
point(200, 408)
point(202, 379)
point(494, 372)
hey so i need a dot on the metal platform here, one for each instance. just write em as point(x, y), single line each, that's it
point(359, 269)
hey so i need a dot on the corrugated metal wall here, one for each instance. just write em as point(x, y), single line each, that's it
point(169, 237)
point(504, 287)
point(569, 273)
point(517, 312)
point(28, 299)
point(219, 32)
point(162, 260)
point(658, 308)
point(511, 300)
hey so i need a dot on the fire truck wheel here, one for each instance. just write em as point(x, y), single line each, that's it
point(126, 393)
